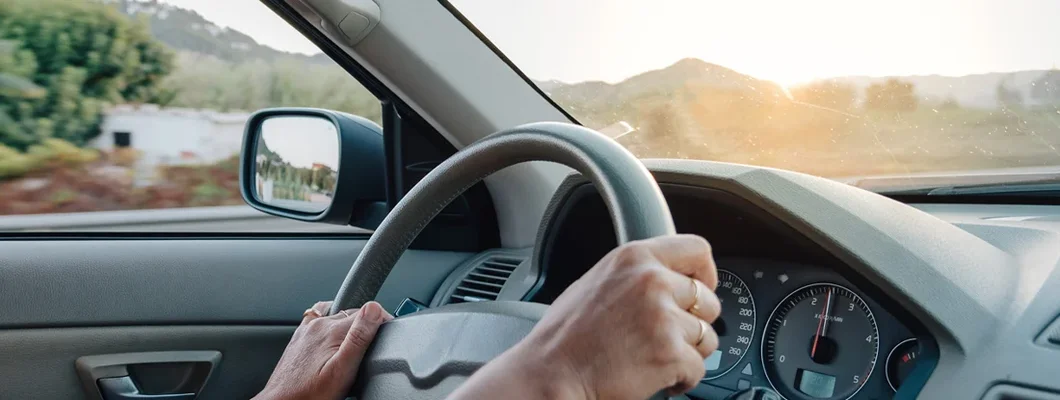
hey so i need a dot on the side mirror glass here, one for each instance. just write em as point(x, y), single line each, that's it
point(315, 165)
point(296, 162)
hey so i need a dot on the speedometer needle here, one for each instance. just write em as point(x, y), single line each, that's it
point(822, 323)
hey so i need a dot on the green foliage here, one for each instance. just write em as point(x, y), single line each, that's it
point(62, 196)
point(13, 163)
point(207, 193)
point(49, 153)
point(84, 55)
point(892, 95)
point(211, 83)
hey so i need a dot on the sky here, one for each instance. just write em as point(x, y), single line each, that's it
point(781, 40)
point(302, 141)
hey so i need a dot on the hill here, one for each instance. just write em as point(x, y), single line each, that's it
point(187, 30)
point(687, 73)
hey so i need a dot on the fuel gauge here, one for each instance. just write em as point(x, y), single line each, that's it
point(901, 362)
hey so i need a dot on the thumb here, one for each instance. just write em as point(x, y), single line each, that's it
point(365, 325)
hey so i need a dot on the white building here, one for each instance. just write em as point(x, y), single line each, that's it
point(171, 136)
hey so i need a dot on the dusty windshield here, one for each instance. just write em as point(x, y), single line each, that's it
point(832, 88)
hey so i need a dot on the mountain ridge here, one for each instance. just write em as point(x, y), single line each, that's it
point(187, 30)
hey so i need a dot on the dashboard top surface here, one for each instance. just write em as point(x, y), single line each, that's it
point(973, 278)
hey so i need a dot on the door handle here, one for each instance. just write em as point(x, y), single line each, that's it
point(123, 388)
point(163, 375)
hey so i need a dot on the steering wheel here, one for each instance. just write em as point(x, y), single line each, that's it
point(428, 354)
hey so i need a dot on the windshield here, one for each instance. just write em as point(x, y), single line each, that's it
point(833, 88)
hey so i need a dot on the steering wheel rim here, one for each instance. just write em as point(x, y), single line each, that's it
point(633, 198)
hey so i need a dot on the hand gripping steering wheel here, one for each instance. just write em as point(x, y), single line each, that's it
point(428, 354)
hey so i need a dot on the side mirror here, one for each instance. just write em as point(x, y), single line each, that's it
point(315, 165)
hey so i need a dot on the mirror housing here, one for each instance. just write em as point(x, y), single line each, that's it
point(359, 194)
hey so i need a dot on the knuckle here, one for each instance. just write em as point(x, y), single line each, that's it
point(359, 336)
point(316, 325)
point(698, 243)
point(705, 246)
point(629, 253)
point(649, 280)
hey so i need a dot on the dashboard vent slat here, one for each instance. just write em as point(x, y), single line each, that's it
point(485, 281)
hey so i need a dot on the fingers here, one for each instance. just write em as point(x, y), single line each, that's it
point(316, 311)
point(697, 333)
point(342, 314)
point(688, 255)
point(692, 295)
point(364, 325)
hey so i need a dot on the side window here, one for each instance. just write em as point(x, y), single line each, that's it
point(128, 115)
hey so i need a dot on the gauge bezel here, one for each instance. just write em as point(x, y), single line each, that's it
point(875, 327)
point(754, 325)
point(887, 365)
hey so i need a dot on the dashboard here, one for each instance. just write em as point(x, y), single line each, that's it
point(790, 319)
point(828, 291)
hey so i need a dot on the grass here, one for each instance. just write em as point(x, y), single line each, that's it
point(834, 143)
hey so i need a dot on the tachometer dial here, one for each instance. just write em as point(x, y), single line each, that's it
point(821, 342)
point(735, 326)
point(901, 362)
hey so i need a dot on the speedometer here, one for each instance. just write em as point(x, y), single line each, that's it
point(735, 327)
point(821, 342)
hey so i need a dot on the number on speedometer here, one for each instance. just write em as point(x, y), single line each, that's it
point(821, 342)
point(735, 326)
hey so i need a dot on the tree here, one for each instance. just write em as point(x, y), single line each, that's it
point(829, 94)
point(203, 81)
point(85, 55)
point(891, 95)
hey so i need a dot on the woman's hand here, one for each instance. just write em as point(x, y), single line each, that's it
point(634, 324)
point(322, 358)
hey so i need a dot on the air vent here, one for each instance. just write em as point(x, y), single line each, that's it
point(485, 281)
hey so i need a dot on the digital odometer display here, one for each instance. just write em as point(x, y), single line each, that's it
point(735, 326)
point(821, 342)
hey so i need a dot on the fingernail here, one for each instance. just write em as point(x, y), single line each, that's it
point(371, 311)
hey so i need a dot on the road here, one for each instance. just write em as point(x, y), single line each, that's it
point(226, 219)
point(313, 206)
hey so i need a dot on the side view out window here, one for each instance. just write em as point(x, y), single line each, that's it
point(129, 114)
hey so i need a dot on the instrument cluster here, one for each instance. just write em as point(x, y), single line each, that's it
point(805, 332)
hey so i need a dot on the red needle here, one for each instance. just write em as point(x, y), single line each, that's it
point(820, 322)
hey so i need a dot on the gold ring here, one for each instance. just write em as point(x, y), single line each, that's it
point(702, 332)
point(695, 294)
point(310, 311)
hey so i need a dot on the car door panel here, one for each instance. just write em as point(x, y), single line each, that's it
point(64, 299)
point(38, 363)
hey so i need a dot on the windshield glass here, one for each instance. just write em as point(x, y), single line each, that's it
point(829, 87)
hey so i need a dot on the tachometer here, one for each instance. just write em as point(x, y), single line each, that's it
point(735, 326)
point(821, 342)
point(900, 362)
